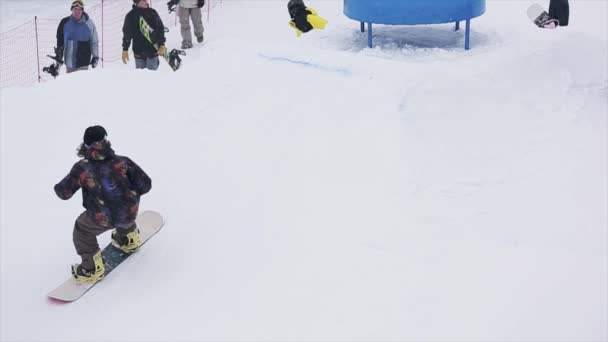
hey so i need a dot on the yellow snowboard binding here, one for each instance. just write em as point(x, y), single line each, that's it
point(128, 243)
point(90, 276)
point(304, 19)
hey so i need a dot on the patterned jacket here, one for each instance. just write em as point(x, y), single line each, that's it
point(111, 186)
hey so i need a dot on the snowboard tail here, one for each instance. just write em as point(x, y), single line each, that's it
point(171, 57)
point(54, 68)
point(540, 17)
point(149, 223)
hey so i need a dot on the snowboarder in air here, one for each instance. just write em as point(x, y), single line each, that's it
point(304, 19)
point(111, 187)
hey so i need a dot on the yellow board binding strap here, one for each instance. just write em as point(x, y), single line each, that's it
point(304, 19)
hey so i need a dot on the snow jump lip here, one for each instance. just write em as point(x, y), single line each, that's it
point(413, 12)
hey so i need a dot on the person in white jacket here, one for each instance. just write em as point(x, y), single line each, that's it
point(189, 9)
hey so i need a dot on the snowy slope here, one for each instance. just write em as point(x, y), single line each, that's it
point(13, 13)
point(315, 189)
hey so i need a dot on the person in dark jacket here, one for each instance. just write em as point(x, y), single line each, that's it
point(77, 41)
point(145, 28)
point(560, 10)
point(111, 188)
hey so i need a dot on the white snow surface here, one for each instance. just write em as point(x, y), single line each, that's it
point(14, 13)
point(316, 189)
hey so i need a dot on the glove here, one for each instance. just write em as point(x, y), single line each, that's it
point(125, 56)
point(200, 3)
point(162, 50)
point(172, 4)
point(94, 62)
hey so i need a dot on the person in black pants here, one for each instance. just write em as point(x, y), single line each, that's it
point(559, 10)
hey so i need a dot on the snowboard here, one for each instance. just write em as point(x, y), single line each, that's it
point(149, 223)
point(540, 17)
point(54, 68)
point(171, 57)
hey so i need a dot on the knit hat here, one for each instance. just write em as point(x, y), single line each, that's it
point(77, 3)
point(94, 134)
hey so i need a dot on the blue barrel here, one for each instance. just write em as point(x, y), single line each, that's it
point(414, 12)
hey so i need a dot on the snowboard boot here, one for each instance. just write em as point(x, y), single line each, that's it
point(90, 276)
point(200, 39)
point(186, 45)
point(545, 21)
point(127, 243)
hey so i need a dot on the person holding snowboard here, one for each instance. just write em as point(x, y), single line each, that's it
point(304, 19)
point(559, 13)
point(77, 41)
point(189, 9)
point(111, 188)
point(145, 28)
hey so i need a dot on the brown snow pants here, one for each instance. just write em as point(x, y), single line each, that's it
point(85, 238)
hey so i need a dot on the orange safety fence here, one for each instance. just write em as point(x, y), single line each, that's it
point(24, 49)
